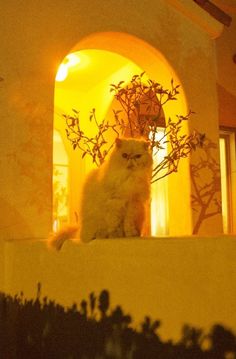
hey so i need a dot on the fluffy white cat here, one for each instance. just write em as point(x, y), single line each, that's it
point(114, 196)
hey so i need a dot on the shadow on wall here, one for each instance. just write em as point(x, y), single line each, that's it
point(12, 222)
point(41, 328)
point(205, 178)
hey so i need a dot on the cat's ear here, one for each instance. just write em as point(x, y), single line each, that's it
point(118, 142)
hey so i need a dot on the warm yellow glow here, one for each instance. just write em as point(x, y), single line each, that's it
point(56, 225)
point(72, 60)
point(224, 189)
point(62, 72)
point(87, 87)
point(60, 182)
point(159, 195)
point(69, 61)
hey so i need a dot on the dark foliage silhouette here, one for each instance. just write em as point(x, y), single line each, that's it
point(41, 328)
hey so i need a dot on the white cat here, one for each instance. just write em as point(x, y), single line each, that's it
point(114, 195)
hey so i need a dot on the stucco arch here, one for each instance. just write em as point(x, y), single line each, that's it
point(154, 63)
point(139, 51)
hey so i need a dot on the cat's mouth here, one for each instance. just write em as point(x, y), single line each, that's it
point(131, 166)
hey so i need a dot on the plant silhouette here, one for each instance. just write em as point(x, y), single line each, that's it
point(42, 328)
point(140, 113)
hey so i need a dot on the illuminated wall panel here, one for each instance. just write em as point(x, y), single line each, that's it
point(60, 181)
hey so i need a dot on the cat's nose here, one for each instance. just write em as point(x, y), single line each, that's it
point(131, 164)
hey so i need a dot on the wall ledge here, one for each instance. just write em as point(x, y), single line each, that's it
point(131, 240)
point(177, 279)
point(134, 239)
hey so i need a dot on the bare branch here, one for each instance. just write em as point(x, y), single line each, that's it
point(141, 114)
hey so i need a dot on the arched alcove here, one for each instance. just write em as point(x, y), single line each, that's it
point(99, 60)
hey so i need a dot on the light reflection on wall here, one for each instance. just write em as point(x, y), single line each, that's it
point(159, 195)
point(224, 184)
point(60, 182)
point(70, 61)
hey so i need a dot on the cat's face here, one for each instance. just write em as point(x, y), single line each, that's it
point(133, 154)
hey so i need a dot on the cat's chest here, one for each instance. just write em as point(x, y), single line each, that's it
point(125, 184)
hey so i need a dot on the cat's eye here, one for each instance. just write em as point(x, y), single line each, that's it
point(125, 155)
point(137, 156)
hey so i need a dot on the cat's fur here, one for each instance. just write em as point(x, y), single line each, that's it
point(114, 195)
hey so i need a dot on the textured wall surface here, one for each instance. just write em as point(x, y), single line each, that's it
point(176, 280)
point(35, 39)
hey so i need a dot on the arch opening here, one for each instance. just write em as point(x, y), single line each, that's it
point(93, 64)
